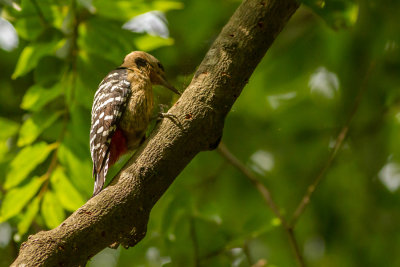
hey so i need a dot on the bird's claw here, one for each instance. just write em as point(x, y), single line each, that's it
point(163, 115)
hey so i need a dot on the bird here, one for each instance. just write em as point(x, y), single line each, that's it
point(122, 110)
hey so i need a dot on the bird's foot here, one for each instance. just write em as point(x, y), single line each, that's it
point(163, 115)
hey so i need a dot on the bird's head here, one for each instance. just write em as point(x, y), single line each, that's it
point(150, 65)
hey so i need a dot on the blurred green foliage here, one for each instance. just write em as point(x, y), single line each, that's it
point(282, 127)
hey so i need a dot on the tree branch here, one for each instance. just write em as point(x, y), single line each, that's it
point(119, 214)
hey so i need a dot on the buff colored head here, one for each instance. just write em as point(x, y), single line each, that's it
point(152, 66)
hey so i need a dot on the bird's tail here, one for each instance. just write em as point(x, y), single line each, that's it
point(100, 178)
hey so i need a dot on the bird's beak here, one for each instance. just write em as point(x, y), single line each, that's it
point(166, 84)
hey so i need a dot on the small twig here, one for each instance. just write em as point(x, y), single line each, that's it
point(212, 177)
point(195, 243)
point(338, 145)
point(74, 48)
point(223, 150)
point(213, 254)
point(40, 13)
point(246, 252)
point(52, 166)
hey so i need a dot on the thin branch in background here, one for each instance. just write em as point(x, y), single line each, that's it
point(224, 151)
point(338, 144)
point(73, 53)
point(40, 13)
point(50, 169)
point(211, 178)
point(54, 160)
point(195, 242)
point(246, 252)
point(289, 227)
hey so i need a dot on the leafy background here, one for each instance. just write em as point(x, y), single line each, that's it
point(282, 128)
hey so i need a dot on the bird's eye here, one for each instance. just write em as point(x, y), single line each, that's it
point(140, 62)
point(160, 66)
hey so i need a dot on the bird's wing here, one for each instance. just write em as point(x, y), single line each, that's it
point(109, 103)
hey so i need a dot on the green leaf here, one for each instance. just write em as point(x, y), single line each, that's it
point(3, 150)
point(30, 24)
point(66, 193)
point(36, 96)
point(95, 35)
point(88, 79)
point(76, 159)
point(25, 162)
point(337, 13)
point(35, 125)
point(29, 28)
point(79, 124)
point(52, 211)
point(165, 6)
point(16, 199)
point(84, 94)
point(120, 9)
point(8, 128)
point(124, 10)
point(31, 55)
point(29, 215)
point(49, 71)
point(150, 42)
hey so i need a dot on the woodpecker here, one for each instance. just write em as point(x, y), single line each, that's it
point(122, 109)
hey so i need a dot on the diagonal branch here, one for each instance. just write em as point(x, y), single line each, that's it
point(266, 195)
point(119, 214)
point(338, 145)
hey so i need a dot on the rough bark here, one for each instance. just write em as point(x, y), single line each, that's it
point(119, 214)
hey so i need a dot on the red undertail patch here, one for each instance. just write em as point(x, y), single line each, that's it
point(117, 146)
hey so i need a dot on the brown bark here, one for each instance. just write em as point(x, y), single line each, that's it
point(119, 214)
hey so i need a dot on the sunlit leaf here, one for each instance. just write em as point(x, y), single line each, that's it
point(31, 55)
point(8, 128)
point(125, 10)
point(35, 125)
point(51, 210)
point(10, 42)
point(25, 162)
point(121, 10)
point(31, 211)
point(16, 199)
point(95, 35)
point(36, 17)
point(164, 6)
point(29, 28)
point(3, 150)
point(149, 42)
point(76, 159)
point(37, 96)
point(337, 13)
point(88, 5)
point(153, 23)
point(66, 193)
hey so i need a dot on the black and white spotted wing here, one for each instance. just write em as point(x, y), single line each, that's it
point(109, 102)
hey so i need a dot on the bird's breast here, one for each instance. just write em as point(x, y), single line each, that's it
point(136, 117)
